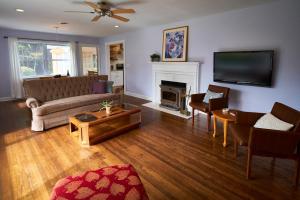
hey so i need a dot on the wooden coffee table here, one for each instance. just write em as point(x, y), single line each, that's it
point(225, 118)
point(122, 118)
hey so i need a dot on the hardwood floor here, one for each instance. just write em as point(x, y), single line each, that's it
point(174, 160)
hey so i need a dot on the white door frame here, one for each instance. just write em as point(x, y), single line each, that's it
point(107, 56)
point(80, 45)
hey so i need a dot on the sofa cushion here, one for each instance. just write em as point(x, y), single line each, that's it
point(269, 121)
point(72, 102)
point(119, 182)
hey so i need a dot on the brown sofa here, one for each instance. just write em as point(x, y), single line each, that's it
point(53, 100)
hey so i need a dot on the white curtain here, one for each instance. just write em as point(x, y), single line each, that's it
point(15, 75)
point(73, 69)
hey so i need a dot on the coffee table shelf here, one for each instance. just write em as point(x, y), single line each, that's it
point(122, 118)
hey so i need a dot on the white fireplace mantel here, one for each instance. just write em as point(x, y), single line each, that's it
point(184, 72)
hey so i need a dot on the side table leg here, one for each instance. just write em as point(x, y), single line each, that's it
point(225, 133)
point(215, 125)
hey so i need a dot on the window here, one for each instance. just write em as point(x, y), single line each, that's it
point(39, 58)
point(89, 59)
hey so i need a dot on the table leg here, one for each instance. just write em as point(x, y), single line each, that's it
point(84, 136)
point(70, 128)
point(225, 133)
point(215, 125)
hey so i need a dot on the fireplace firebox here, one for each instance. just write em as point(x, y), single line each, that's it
point(173, 95)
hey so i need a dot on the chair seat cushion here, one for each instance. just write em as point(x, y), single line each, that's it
point(200, 106)
point(240, 132)
point(71, 102)
point(110, 183)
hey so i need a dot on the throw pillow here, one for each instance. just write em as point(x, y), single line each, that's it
point(99, 87)
point(269, 121)
point(109, 86)
point(211, 95)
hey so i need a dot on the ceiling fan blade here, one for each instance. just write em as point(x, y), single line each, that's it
point(120, 18)
point(122, 11)
point(96, 18)
point(92, 5)
point(78, 12)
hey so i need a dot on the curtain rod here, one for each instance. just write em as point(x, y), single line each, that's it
point(6, 37)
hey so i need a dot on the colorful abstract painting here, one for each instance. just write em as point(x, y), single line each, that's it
point(175, 44)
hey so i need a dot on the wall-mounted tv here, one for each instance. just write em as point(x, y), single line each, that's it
point(244, 67)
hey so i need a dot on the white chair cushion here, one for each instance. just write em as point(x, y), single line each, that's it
point(269, 121)
point(211, 95)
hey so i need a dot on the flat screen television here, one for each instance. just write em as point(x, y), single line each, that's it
point(244, 67)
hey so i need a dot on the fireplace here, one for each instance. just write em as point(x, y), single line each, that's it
point(172, 95)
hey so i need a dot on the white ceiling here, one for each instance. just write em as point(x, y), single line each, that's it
point(44, 15)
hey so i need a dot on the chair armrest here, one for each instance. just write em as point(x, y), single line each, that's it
point(32, 102)
point(217, 104)
point(268, 142)
point(197, 97)
point(247, 118)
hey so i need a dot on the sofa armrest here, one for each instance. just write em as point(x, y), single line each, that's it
point(247, 118)
point(32, 102)
point(273, 142)
point(197, 97)
point(217, 104)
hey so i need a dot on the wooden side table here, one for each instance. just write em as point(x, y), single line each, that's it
point(225, 118)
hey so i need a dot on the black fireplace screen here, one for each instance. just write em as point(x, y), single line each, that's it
point(170, 96)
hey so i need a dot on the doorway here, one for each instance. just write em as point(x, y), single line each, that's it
point(89, 59)
point(116, 64)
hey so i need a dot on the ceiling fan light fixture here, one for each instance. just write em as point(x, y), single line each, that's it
point(108, 13)
point(117, 26)
point(20, 10)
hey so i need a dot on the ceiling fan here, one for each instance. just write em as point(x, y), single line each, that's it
point(104, 8)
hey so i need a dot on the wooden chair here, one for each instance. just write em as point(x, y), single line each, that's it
point(266, 142)
point(214, 104)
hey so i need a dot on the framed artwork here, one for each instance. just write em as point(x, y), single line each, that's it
point(175, 44)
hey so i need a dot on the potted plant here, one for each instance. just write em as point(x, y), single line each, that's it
point(155, 57)
point(107, 106)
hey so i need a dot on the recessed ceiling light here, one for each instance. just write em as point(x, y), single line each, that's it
point(117, 26)
point(19, 10)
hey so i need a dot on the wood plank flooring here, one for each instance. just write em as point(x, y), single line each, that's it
point(173, 159)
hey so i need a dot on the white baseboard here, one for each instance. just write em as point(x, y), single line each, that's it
point(156, 106)
point(138, 95)
point(6, 99)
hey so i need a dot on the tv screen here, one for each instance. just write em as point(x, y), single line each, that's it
point(244, 67)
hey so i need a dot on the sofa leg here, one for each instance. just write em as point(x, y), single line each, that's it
point(249, 162)
point(208, 121)
point(193, 116)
